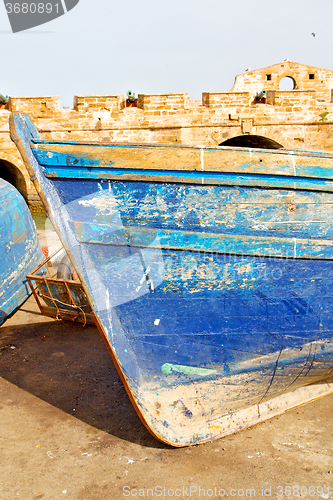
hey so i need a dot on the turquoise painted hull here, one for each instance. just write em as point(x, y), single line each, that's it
point(209, 273)
point(19, 249)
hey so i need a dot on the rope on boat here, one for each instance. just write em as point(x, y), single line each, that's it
point(67, 305)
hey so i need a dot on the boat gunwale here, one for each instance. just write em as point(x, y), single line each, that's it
point(151, 145)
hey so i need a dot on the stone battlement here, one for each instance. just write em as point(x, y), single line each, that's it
point(311, 87)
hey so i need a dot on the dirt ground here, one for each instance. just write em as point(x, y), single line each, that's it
point(69, 431)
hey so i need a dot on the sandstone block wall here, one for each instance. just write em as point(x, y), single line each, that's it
point(297, 118)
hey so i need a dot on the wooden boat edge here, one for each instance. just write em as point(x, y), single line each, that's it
point(248, 417)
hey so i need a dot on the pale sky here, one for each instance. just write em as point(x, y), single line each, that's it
point(155, 46)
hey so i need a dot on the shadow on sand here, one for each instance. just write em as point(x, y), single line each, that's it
point(68, 366)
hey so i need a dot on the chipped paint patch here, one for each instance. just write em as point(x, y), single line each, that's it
point(169, 368)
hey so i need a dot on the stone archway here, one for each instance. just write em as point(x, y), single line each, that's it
point(287, 83)
point(251, 141)
point(10, 173)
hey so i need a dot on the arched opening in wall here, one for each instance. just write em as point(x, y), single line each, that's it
point(14, 176)
point(252, 141)
point(287, 83)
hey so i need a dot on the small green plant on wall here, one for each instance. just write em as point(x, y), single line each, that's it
point(323, 116)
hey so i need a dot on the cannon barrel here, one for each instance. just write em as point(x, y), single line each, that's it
point(131, 96)
point(261, 95)
point(3, 99)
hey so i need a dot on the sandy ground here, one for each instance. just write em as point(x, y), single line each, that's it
point(69, 431)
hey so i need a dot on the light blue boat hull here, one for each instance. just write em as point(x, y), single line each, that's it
point(212, 289)
point(19, 249)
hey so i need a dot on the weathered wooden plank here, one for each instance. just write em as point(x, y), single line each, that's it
point(296, 248)
point(155, 157)
point(68, 315)
point(250, 180)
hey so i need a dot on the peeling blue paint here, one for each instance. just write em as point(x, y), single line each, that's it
point(269, 181)
point(19, 249)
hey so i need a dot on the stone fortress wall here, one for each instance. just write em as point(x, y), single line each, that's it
point(255, 113)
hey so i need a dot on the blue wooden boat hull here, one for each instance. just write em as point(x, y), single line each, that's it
point(209, 273)
point(19, 249)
